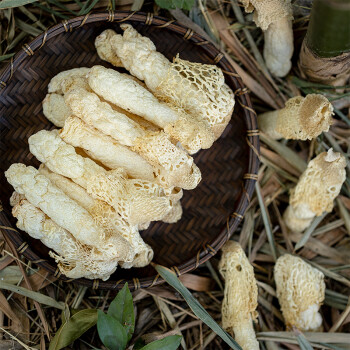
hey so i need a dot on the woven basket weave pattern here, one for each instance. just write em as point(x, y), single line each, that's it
point(211, 212)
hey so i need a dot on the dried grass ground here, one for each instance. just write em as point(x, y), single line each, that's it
point(160, 311)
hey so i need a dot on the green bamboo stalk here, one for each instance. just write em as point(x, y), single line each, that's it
point(325, 53)
point(328, 33)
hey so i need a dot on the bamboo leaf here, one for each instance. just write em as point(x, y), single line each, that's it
point(173, 4)
point(77, 325)
point(195, 306)
point(266, 220)
point(169, 343)
point(40, 298)
point(53, 12)
point(59, 5)
point(302, 83)
point(303, 343)
point(32, 17)
point(28, 28)
point(307, 234)
point(5, 4)
point(333, 347)
point(344, 214)
point(314, 337)
point(86, 9)
point(290, 156)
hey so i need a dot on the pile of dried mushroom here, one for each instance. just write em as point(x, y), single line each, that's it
point(122, 156)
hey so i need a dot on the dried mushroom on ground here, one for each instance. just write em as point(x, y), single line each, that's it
point(300, 291)
point(316, 190)
point(122, 156)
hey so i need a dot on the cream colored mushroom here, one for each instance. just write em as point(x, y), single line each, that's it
point(198, 88)
point(62, 158)
point(316, 190)
point(300, 291)
point(303, 118)
point(137, 201)
point(240, 295)
point(123, 91)
point(274, 17)
point(55, 109)
point(104, 48)
point(104, 215)
point(105, 149)
point(62, 80)
point(139, 198)
point(75, 260)
point(173, 166)
point(65, 212)
point(174, 214)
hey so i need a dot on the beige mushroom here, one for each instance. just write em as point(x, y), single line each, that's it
point(123, 91)
point(303, 118)
point(75, 260)
point(137, 199)
point(105, 149)
point(316, 190)
point(62, 80)
point(55, 109)
point(274, 17)
point(174, 214)
point(104, 48)
point(62, 158)
point(65, 212)
point(104, 215)
point(198, 88)
point(300, 291)
point(240, 295)
point(174, 167)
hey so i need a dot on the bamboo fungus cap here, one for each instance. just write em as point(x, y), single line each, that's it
point(321, 182)
point(300, 291)
point(55, 85)
point(268, 11)
point(104, 48)
point(239, 276)
point(240, 295)
point(305, 118)
point(55, 109)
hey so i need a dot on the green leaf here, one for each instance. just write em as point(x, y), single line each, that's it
point(6, 57)
point(40, 298)
point(5, 4)
point(122, 309)
point(196, 307)
point(332, 346)
point(28, 28)
point(111, 332)
point(173, 4)
point(307, 234)
point(303, 343)
point(77, 325)
point(168, 343)
point(266, 221)
point(62, 7)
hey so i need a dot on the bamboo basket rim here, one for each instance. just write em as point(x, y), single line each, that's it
point(241, 96)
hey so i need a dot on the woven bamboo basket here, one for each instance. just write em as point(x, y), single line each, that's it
point(212, 211)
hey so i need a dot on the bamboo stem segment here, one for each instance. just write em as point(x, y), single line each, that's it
point(325, 52)
point(328, 34)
